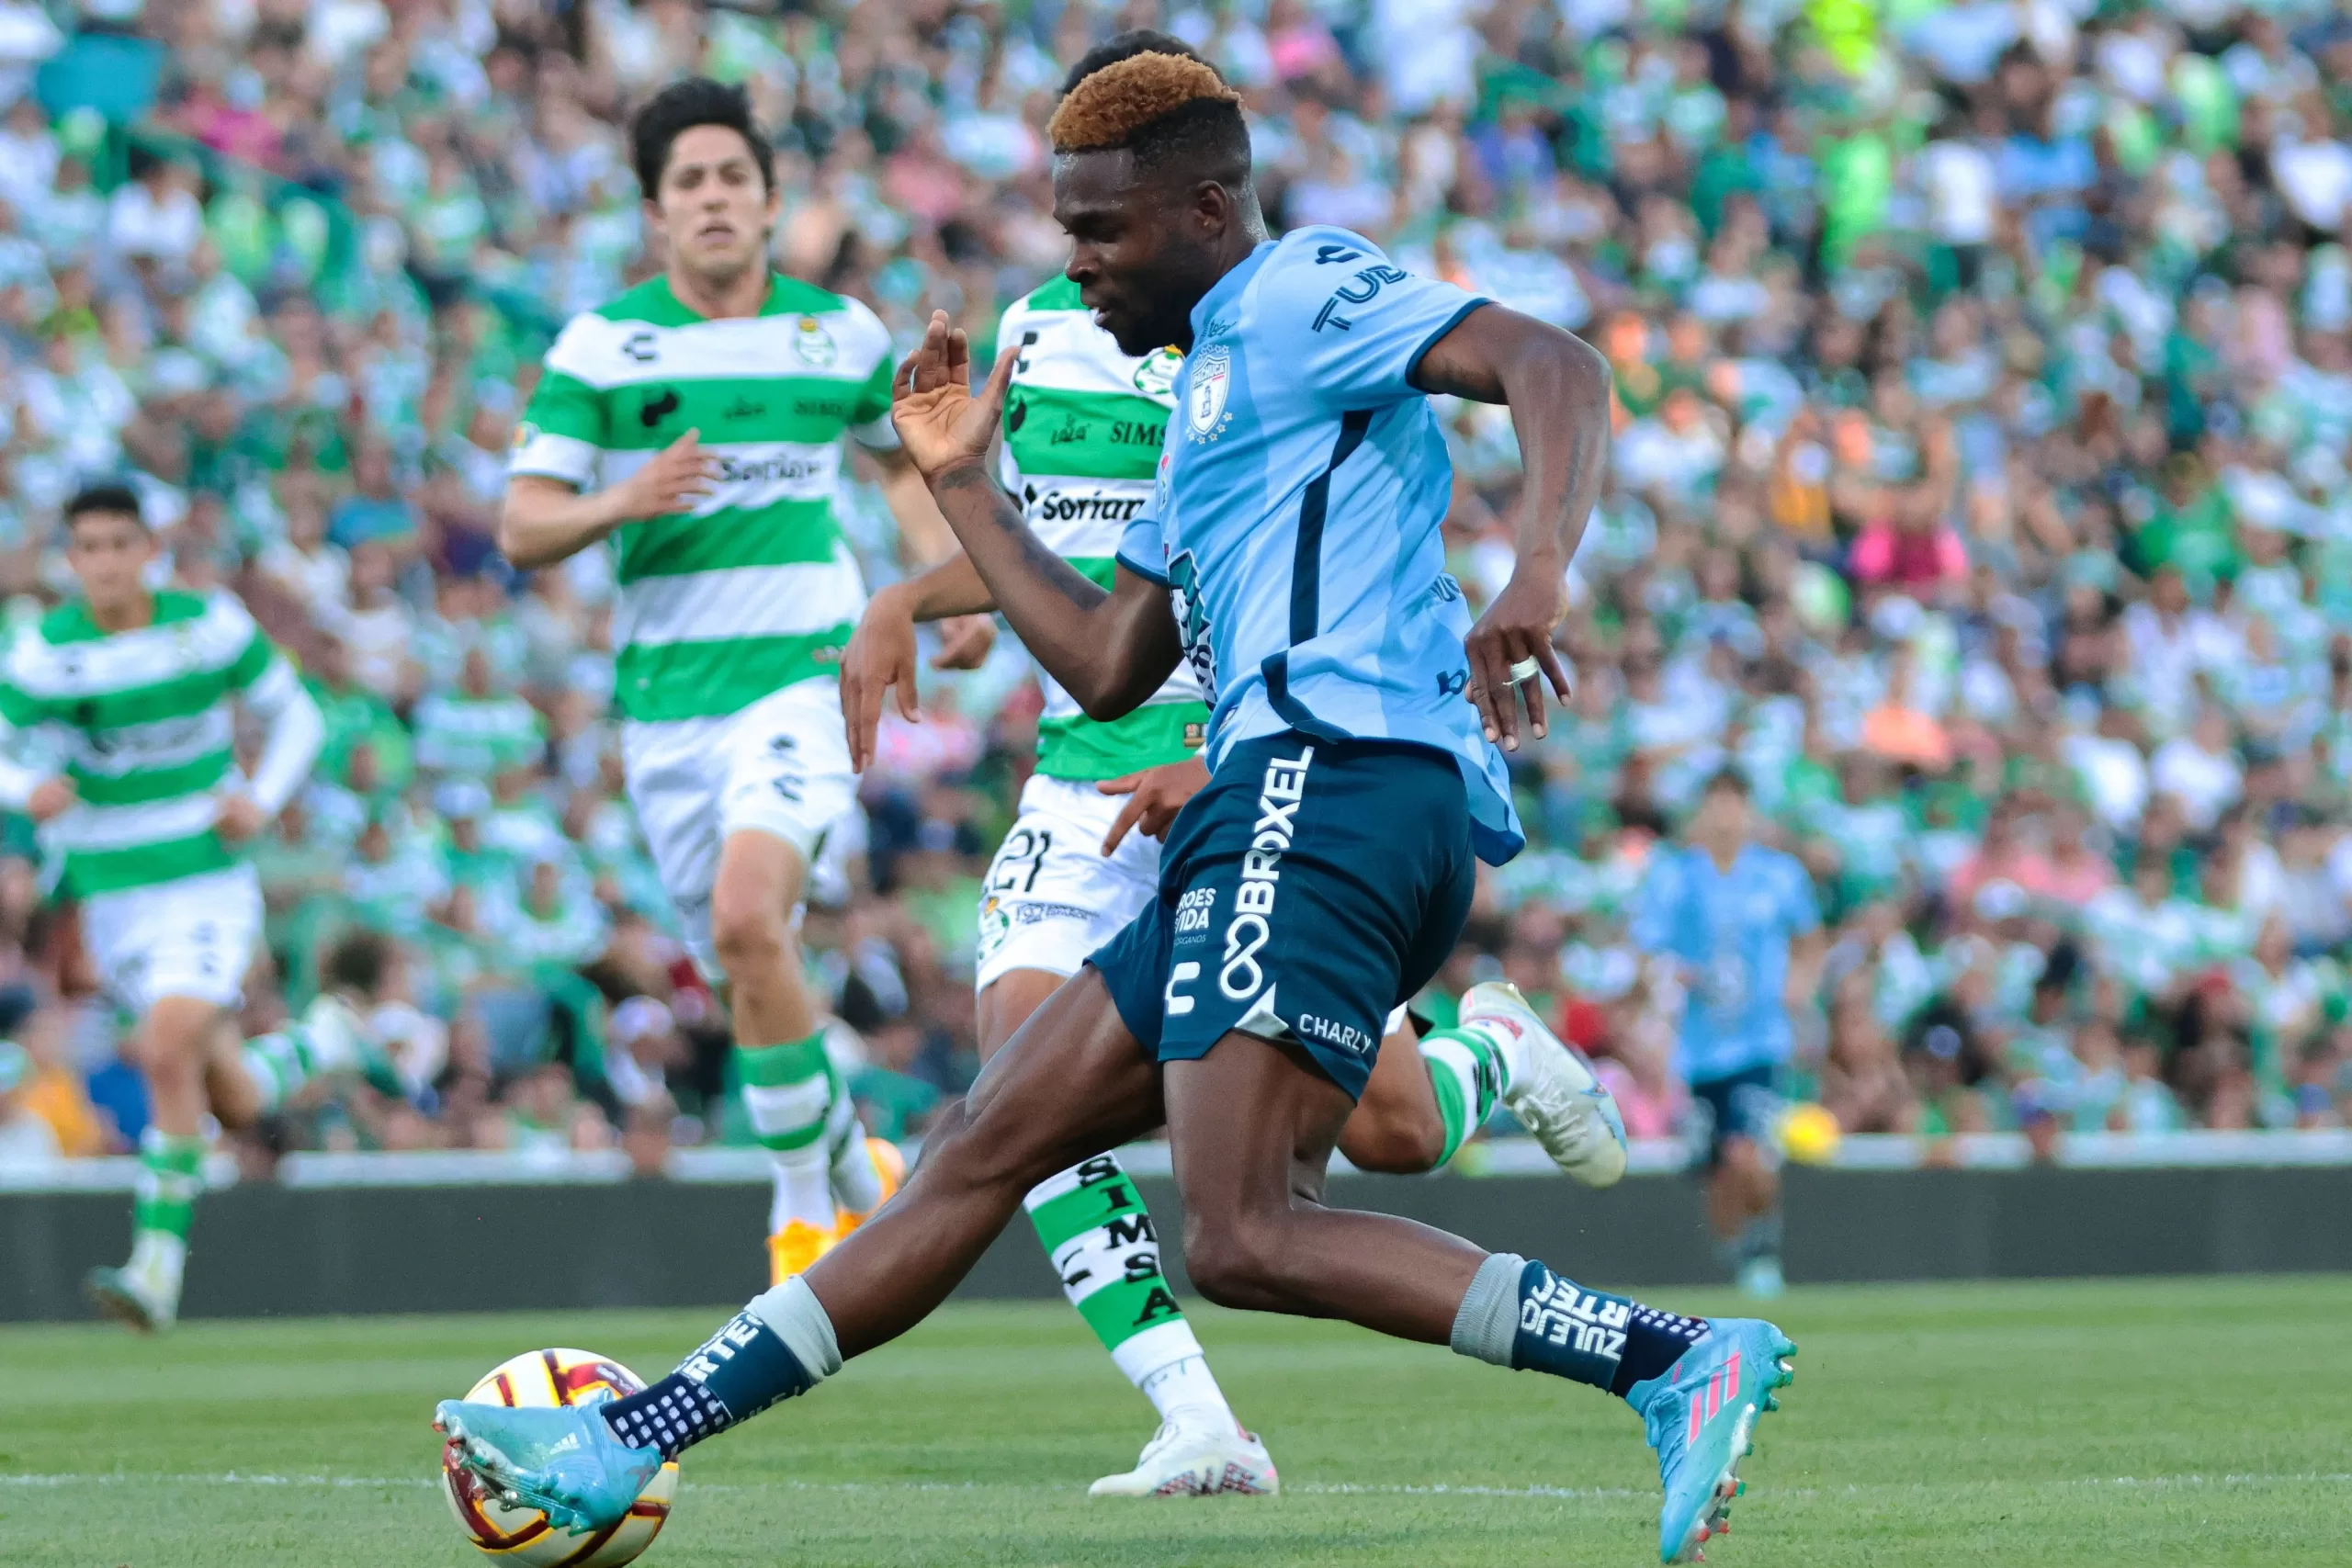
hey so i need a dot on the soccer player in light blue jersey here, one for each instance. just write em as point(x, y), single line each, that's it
point(1293, 557)
point(1738, 919)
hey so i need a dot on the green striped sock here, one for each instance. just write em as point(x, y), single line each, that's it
point(171, 1173)
point(1099, 1237)
point(788, 1092)
point(1465, 1074)
point(279, 1065)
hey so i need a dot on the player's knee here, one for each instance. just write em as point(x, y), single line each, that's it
point(1234, 1262)
point(750, 936)
point(1392, 1145)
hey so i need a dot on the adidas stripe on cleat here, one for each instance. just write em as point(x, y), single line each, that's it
point(1701, 1415)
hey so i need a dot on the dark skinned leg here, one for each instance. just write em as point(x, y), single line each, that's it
point(1396, 1127)
point(1253, 1124)
point(1071, 1083)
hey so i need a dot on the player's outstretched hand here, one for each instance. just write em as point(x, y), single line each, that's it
point(965, 642)
point(677, 479)
point(881, 655)
point(940, 423)
point(1516, 628)
point(1154, 797)
point(52, 797)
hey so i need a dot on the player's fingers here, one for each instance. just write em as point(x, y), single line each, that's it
point(861, 714)
point(1000, 378)
point(959, 358)
point(1490, 688)
point(903, 678)
point(1531, 691)
point(1129, 814)
point(1123, 785)
point(902, 384)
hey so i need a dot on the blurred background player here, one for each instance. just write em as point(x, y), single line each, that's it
point(125, 696)
point(1737, 920)
point(1080, 444)
point(697, 421)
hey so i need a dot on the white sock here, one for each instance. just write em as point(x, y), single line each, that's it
point(158, 1259)
point(1510, 1048)
point(857, 1185)
point(1186, 1393)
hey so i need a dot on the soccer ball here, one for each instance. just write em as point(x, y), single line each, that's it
point(546, 1378)
point(1809, 1133)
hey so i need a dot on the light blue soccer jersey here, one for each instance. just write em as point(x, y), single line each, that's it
point(1295, 516)
point(1732, 932)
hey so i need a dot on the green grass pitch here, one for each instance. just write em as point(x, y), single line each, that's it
point(2191, 1422)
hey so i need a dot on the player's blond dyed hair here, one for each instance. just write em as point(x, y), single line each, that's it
point(1110, 107)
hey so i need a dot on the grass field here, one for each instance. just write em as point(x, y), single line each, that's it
point(2192, 1422)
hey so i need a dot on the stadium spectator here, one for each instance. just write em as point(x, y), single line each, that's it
point(1978, 493)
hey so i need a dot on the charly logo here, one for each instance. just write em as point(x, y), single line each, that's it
point(1253, 901)
point(1156, 374)
point(1212, 383)
point(813, 344)
point(641, 346)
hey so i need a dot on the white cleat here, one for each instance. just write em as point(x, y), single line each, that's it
point(1552, 1090)
point(1189, 1461)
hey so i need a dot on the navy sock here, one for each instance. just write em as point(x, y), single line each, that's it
point(739, 1372)
point(1590, 1336)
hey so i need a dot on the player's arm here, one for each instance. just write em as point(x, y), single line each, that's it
point(548, 520)
point(1110, 649)
point(554, 508)
point(1557, 389)
point(296, 731)
point(881, 653)
point(35, 792)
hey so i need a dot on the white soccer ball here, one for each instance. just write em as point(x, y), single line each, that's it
point(548, 1377)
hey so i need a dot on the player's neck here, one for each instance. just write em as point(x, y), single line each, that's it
point(1237, 245)
point(717, 299)
point(123, 616)
point(1725, 854)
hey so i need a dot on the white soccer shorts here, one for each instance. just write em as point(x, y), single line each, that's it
point(193, 937)
point(780, 766)
point(1051, 897)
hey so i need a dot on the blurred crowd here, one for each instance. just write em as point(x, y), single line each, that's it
point(1979, 490)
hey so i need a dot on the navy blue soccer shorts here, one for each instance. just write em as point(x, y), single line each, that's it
point(1745, 1104)
point(1309, 889)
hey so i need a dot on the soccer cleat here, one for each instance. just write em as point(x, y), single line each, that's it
point(1184, 1459)
point(567, 1462)
point(891, 1166)
point(1552, 1088)
point(796, 1249)
point(120, 1294)
point(1701, 1415)
point(336, 1035)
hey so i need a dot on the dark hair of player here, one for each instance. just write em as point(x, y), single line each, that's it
point(106, 499)
point(357, 963)
point(1170, 112)
point(1127, 46)
point(1728, 778)
point(678, 108)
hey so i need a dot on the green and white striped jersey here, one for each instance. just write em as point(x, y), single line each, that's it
point(475, 737)
point(1082, 428)
point(145, 723)
point(755, 589)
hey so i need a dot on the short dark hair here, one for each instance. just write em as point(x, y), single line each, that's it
point(1729, 777)
point(1169, 110)
point(357, 961)
point(1127, 46)
point(115, 499)
point(678, 108)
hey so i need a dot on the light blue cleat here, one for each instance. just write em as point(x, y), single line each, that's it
point(1701, 1416)
point(567, 1462)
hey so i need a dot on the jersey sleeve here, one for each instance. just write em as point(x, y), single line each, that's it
point(564, 431)
point(1652, 927)
point(869, 419)
point(1805, 910)
point(1143, 550)
point(1354, 324)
